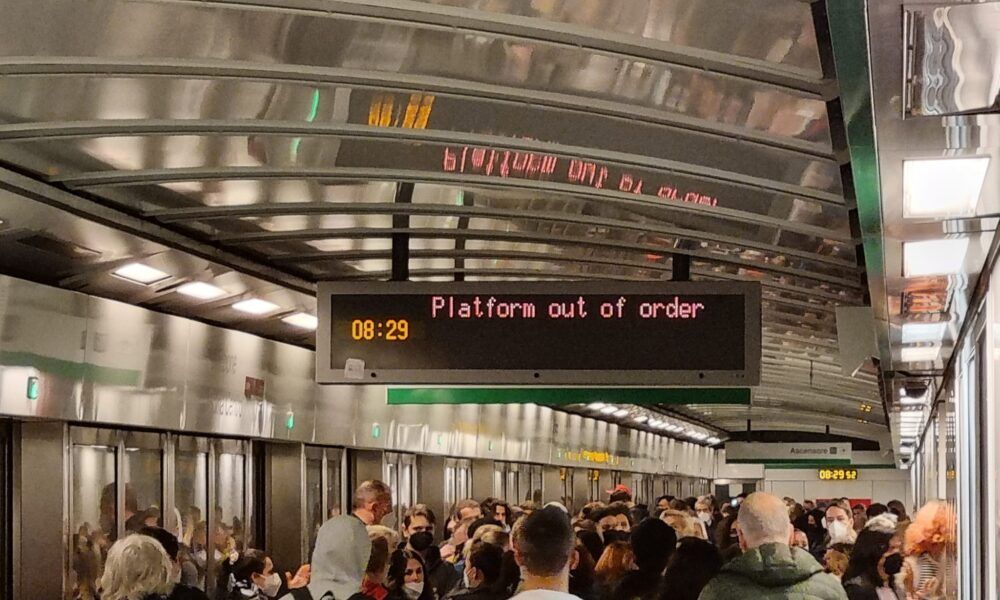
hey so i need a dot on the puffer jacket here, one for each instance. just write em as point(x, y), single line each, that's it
point(773, 572)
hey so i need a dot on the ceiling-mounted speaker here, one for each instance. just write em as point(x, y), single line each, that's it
point(855, 337)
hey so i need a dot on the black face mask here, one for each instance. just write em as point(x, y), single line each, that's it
point(613, 535)
point(893, 564)
point(421, 540)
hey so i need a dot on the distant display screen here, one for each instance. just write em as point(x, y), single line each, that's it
point(581, 333)
point(838, 474)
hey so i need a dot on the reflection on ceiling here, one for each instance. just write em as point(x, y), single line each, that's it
point(543, 140)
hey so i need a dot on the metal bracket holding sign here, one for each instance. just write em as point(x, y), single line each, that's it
point(658, 333)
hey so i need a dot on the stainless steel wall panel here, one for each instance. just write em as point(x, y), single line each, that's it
point(42, 335)
point(101, 361)
point(135, 366)
point(336, 418)
point(41, 476)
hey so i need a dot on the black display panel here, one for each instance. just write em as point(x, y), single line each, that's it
point(578, 333)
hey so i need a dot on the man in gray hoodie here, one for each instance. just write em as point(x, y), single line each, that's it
point(338, 562)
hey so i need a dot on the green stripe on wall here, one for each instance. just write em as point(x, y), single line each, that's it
point(791, 462)
point(452, 395)
point(72, 370)
point(824, 465)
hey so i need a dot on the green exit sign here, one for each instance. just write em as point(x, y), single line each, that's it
point(33, 388)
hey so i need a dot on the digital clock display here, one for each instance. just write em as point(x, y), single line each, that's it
point(580, 333)
point(838, 474)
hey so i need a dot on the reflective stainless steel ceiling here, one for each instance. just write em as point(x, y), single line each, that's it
point(548, 139)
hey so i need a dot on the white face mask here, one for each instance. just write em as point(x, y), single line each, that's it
point(272, 583)
point(414, 589)
point(705, 517)
point(837, 529)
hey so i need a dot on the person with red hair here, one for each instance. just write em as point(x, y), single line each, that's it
point(929, 544)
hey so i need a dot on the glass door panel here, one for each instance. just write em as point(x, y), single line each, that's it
point(93, 507)
point(143, 463)
point(314, 497)
point(334, 482)
point(191, 507)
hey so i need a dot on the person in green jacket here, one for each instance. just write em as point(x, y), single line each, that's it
point(769, 567)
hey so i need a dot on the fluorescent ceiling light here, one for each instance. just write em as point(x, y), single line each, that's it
point(621, 412)
point(713, 440)
point(907, 401)
point(302, 320)
point(140, 273)
point(609, 409)
point(201, 290)
point(595, 405)
point(943, 187)
point(640, 419)
point(934, 257)
point(922, 333)
point(255, 306)
point(919, 354)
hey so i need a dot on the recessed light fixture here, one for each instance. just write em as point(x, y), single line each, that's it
point(921, 333)
point(920, 354)
point(595, 405)
point(943, 187)
point(934, 257)
point(907, 401)
point(140, 273)
point(621, 412)
point(255, 306)
point(302, 320)
point(609, 409)
point(713, 440)
point(201, 290)
point(641, 419)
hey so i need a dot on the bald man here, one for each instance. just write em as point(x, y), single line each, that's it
point(769, 567)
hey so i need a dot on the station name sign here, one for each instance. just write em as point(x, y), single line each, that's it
point(540, 333)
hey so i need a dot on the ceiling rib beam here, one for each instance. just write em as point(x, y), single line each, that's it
point(161, 127)
point(451, 210)
point(313, 76)
point(244, 238)
point(554, 32)
point(72, 203)
point(336, 174)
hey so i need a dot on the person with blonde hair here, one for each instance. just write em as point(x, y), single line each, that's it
point(137, 568)
point(683, 523)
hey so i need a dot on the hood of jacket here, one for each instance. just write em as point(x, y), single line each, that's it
point(774, 565)
point(340, 558)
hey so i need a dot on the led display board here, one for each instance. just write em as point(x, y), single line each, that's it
point(838, 474)
point(540, 333)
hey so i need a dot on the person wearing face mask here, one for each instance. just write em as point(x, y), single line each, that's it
point(407, 579)
point(706, 515)
point(839, 526)
point(866, 577)
point(612, 523)
point(251, 576)
point(482, 574)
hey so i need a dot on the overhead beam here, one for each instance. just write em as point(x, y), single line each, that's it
point(384, 81)
point(48, 194)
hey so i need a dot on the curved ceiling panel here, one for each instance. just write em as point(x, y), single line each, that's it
point(551, 139)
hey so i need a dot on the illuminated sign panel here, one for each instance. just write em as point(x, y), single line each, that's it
point(578, 333)
point(838, 474)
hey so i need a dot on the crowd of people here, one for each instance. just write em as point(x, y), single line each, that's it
point(754, 546)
